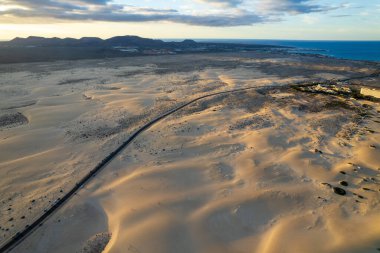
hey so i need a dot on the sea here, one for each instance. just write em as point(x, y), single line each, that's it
point(352, 50)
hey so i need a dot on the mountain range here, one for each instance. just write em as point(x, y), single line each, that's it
point(37, 49)
point(118, 41)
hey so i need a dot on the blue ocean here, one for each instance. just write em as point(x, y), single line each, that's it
point(353, 50)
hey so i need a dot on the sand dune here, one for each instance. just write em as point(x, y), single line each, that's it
point(251, 171)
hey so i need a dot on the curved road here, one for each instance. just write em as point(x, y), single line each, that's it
point(20, 236)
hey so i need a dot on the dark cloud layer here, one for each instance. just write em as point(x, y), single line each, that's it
point(104, 10)
point(291, 6)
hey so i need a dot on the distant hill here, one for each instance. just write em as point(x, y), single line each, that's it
point(118, 41)
point(36, 49)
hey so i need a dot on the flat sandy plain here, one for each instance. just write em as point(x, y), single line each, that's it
point(248, 171)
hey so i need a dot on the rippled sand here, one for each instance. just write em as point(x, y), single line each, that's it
point(250, 171)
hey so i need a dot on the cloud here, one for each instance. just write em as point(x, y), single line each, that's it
point(341, 16)
point(104, 10)
point(95, 1)
point(43, 4)
point(234, 13)
point(219, 21)
point(290, 6)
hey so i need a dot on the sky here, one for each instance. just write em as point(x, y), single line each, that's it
point(234, 19)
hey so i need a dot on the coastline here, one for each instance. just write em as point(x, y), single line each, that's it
point(342, 49)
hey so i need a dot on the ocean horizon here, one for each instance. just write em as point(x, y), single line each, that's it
point(351, 50)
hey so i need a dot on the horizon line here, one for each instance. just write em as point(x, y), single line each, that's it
point(184, 38)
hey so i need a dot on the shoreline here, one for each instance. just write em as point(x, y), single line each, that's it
point(270, 50)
